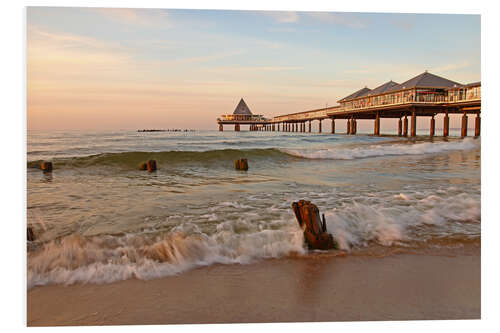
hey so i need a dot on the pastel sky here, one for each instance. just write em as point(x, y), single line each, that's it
point(95, 68)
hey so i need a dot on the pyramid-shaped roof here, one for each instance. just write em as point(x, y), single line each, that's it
point(356, 94)
point(426, 80)
point(242, 108)
point(382, 88)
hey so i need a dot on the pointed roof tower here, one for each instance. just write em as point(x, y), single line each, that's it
point(242, 108)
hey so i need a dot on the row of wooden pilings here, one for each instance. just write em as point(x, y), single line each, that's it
point(352, 124)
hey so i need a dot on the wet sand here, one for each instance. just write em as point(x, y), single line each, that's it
point(312, 288)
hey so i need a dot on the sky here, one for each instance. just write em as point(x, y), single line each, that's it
point(112, 69)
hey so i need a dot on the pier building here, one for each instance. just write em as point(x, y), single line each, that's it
point(425, 95)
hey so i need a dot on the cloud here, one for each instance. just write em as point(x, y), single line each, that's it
point(451, 67)
point(344, 19)
point(37, 36)
point(202, 59)
point(256, 68)
point(282, 17)
point(136, 16)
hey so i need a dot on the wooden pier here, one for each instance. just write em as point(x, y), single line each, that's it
point(425, 95)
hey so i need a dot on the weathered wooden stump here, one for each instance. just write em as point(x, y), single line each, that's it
point(31, 234)
point(241, 164)
point(143, 166)
point(315, 233)
point(151, 165)
point(46, 166)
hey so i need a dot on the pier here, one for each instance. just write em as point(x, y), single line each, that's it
point(425, 95)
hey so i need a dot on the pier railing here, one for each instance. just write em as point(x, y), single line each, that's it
point(419, 99)
point(238, 117)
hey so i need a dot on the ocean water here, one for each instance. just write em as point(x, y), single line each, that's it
point(97, 218)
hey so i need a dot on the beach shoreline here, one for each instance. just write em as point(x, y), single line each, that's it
point(317, 287)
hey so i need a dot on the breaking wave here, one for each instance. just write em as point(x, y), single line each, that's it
point(384, 150)
point(104, 259)
point(405, 220)
point(131, 160)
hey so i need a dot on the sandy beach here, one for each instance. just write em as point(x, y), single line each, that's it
point(317, 287)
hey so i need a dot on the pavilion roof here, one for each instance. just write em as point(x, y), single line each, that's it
point(242, 108)
point(425, 80)
point(356, 94)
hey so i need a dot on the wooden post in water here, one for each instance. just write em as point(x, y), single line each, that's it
point(413, 124)
point(303, 127)
point(405, 126)
point(319, 130)
point(221, 127)
point(236, 127)
point(274, 127)
point(477, 129)
point(309, 126)
point(353, 125)
point(348, 130)
point(333, 125)
point(400, 127)
point(376, 130)
point(464, 125)
point(433, 126)
point(446, 124)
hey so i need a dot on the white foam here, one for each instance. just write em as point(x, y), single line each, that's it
point(385, 219)
point(395, 222)
point(106, 259)
point(384, 150)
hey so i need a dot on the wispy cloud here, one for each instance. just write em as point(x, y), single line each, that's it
point(206, 58)
point(345, 19)
point(404, 24)
point(282, 17)
point(451, 67)
point(282, 29)
point(136, 16)
point(256, 68)
point(37, 36)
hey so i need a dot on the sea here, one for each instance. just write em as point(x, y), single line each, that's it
point(97, 218)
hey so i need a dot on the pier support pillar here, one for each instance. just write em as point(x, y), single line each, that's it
point(405, 126)
point(296, 127)
point(303, 127)
point(274, 127)
point(433, 126)
point(353, 126)
point(446, 124)
point(333, 125)
point(348, 130)
point(309, 126)
point(400, 127)
point(376, 129)
point(413, 124)
point(464, 125)
point(221, 127)
point(237, 127)
point(477, 128)
point(319, 129)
